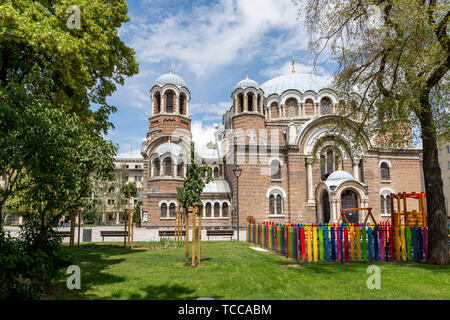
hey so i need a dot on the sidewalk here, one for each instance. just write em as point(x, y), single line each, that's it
point(140, 234)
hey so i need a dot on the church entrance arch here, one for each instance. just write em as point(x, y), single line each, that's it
point(349, 199)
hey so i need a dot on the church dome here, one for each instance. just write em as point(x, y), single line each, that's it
point(297, 81)
point(170, 78)
point(247, 83)
point(340, 175)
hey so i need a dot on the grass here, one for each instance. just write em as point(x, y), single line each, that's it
point(231, 270)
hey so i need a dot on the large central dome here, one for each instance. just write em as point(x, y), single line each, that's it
point(297, 81)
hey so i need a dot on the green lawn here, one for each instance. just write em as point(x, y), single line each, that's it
point(232, 270)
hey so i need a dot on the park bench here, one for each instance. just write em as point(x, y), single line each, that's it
point(220, 233)
point(168, 233)
point(64, 234)
point(113, 233)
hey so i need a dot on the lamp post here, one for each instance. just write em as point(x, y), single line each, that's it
point(237, 172)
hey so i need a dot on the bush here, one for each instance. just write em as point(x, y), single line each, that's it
point(91, 214)
point(30, 262)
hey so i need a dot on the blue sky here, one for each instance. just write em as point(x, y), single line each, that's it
point(210, 44)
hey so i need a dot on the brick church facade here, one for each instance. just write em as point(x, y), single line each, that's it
point(295, 166)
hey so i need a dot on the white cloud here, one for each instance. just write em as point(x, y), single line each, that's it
point(211, 37)
point(286, 68)
point(209, 112)
point(202, 134)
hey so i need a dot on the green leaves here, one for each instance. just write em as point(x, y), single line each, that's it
point(193, 185)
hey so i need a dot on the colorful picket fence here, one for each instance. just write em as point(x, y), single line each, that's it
point(330, 242)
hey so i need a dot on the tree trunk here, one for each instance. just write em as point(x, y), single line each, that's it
point(437, 218)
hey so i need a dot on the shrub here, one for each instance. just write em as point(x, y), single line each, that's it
point(30, 262)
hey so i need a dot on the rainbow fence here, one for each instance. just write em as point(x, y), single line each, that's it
point(330, 242)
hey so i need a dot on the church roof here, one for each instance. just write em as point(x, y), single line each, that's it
point(170, 78)
point(246, 83)
point(217, 186)
point(297, 81)
point(340, 175)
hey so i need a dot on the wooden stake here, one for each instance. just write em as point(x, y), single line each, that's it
point(199, 241)
point(129, 227)
point(125, 234)
point(132, 228)
point(194, 213)
point(187, 235)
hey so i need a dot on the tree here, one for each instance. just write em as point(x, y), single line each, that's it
point(90, 214)
point(129, 191)
point(46, 64)
point(84, 64)
point(189, 193)
point(137, 214)
point(396, 55)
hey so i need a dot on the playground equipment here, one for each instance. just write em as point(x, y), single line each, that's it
point(310, 242)
point(369, 213)
point(412, 218)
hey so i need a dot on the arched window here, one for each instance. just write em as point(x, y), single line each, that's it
point(309, 107)
point(168, 167)
point(349, 199)
point(322, 167)
point(275, 167)
point(216, 173)
point(382, 203)
point(292, 107)
point(388, 205)
point(180, 169)
point(385, 202)
point(272, 204)
point(258, 106)
point(250, 101)
point(172, 210)
point(216, 210)
point(325, 106)
point(225, 209)
point(157, 168)
point(164, 210)
point(208, 210)
point(385, 175)
point(169, 102)
point(181, 102)
point(329, 161)
point(279, 204)
point(274, 110)
point(157, 101)
point(241, 102)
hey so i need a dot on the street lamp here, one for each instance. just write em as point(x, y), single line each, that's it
point(237, 173)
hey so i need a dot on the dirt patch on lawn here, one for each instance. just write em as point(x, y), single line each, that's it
point(291, 266)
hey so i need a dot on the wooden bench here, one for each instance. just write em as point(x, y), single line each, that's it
point(220, 233)
point(64, 234)
point(169, 233)
point(113, 233)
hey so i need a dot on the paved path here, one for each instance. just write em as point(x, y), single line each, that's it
point(140, 234)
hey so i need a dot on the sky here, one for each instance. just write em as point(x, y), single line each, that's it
point(210, 44)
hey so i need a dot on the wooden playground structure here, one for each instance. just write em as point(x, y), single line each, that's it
point(412, 218)
point(369, 214)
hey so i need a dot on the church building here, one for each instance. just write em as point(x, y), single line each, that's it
point(296, 167)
